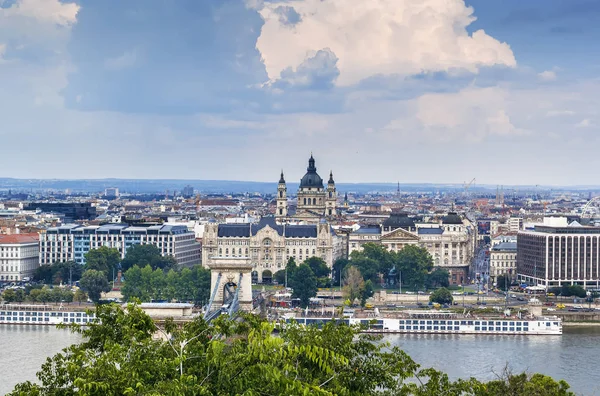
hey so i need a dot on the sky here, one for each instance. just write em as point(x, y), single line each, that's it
point(409, 91)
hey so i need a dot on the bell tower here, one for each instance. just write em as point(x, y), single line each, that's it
point(281, 211)
point(331, 197)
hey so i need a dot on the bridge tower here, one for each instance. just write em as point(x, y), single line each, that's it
point(227, 276)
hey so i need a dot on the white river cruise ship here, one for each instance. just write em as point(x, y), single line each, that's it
point(42, 315)
point(439, 322)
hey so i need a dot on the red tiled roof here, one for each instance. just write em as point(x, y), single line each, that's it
point(19, 238)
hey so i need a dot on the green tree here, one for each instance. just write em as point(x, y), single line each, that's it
point(441, 296)
point(338, 267)
point(439, 277)
point(80, 296)
point(143, 255)
point(45, 295)
point(304, 284)
point(9, 295)
point(415, 263)
point(94, 282)
point(279, 277)
point(20, 295)
point(318, 266)
point(367, 292)
point(503, 282)
point(103, 259)
point(34, 295)
point(354, 285)
point(44, 274)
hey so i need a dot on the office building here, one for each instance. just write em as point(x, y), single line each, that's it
point(19, 256)
point(71, 210)
point(558, 253)
point(72, 242)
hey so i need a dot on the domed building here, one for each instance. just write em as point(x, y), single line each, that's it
point(315, 201)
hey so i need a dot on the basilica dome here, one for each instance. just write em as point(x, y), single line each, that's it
point(311, 178)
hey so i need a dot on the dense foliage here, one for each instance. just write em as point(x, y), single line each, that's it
point(303, 281)
point(43, 295)
point(94, 283)
point(119, 356)
point(143, 255)
point(103, 259)
point(413, 263)
point(569, 291)
point(441, 296)
point(186, 284)
point(64, 272)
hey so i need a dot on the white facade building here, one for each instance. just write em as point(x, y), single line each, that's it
point(503, 260)
point(19, 256)
point(71, 242)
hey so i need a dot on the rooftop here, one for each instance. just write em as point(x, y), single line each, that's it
point(19, 239)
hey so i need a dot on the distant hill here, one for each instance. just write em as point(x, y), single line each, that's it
point(227, 186)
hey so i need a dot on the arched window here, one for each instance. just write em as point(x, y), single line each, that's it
point(266, 242)
point(280, 211)
point(294, 251)
point(220, 251)
point(226, 251)
point(314, 201)
point(304, 201)
point(307, 252)
point(330, 194)
point(240, 251)
point(280, 194)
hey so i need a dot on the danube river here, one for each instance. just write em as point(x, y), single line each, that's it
point(571, 356)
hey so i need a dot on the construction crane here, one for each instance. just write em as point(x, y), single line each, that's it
point(467, 185)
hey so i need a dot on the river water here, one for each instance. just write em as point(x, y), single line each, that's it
point(571, 357)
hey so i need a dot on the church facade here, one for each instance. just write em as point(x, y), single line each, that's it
point(314, 200)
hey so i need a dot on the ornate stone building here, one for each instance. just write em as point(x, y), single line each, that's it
point(449, 242)
point(314, 200)
point(269, 245)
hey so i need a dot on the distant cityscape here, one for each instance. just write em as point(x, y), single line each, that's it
point(535, 235)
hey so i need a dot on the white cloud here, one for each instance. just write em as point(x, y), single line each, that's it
point(547, 75)
point(379, 37)
point(124, 61)
point(53, 11)
point(586, 122)
point(559, 113)
point(472, 114)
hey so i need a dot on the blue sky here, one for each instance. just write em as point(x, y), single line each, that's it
point(380, 91)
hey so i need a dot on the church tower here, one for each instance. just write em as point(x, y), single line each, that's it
point(331, 197)
point(281, 211)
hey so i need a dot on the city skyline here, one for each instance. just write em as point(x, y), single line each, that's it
point(415, 91)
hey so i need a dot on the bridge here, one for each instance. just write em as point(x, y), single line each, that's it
point(231, 287)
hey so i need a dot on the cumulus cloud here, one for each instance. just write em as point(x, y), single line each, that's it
point(547, 75)
point(473, 114)
point(53, 11)
point(318, 71)
point(378, 37)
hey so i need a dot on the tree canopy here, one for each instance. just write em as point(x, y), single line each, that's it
point(143, 255)
point(120, 356)
point(375, 262)
point(304, 283)
point(441, 296)
point(186, 284)
point(58, 273)
point(94, 283)
point(103, 259)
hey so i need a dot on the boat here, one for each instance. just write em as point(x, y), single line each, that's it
point(23, 314)
point(440, 322)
